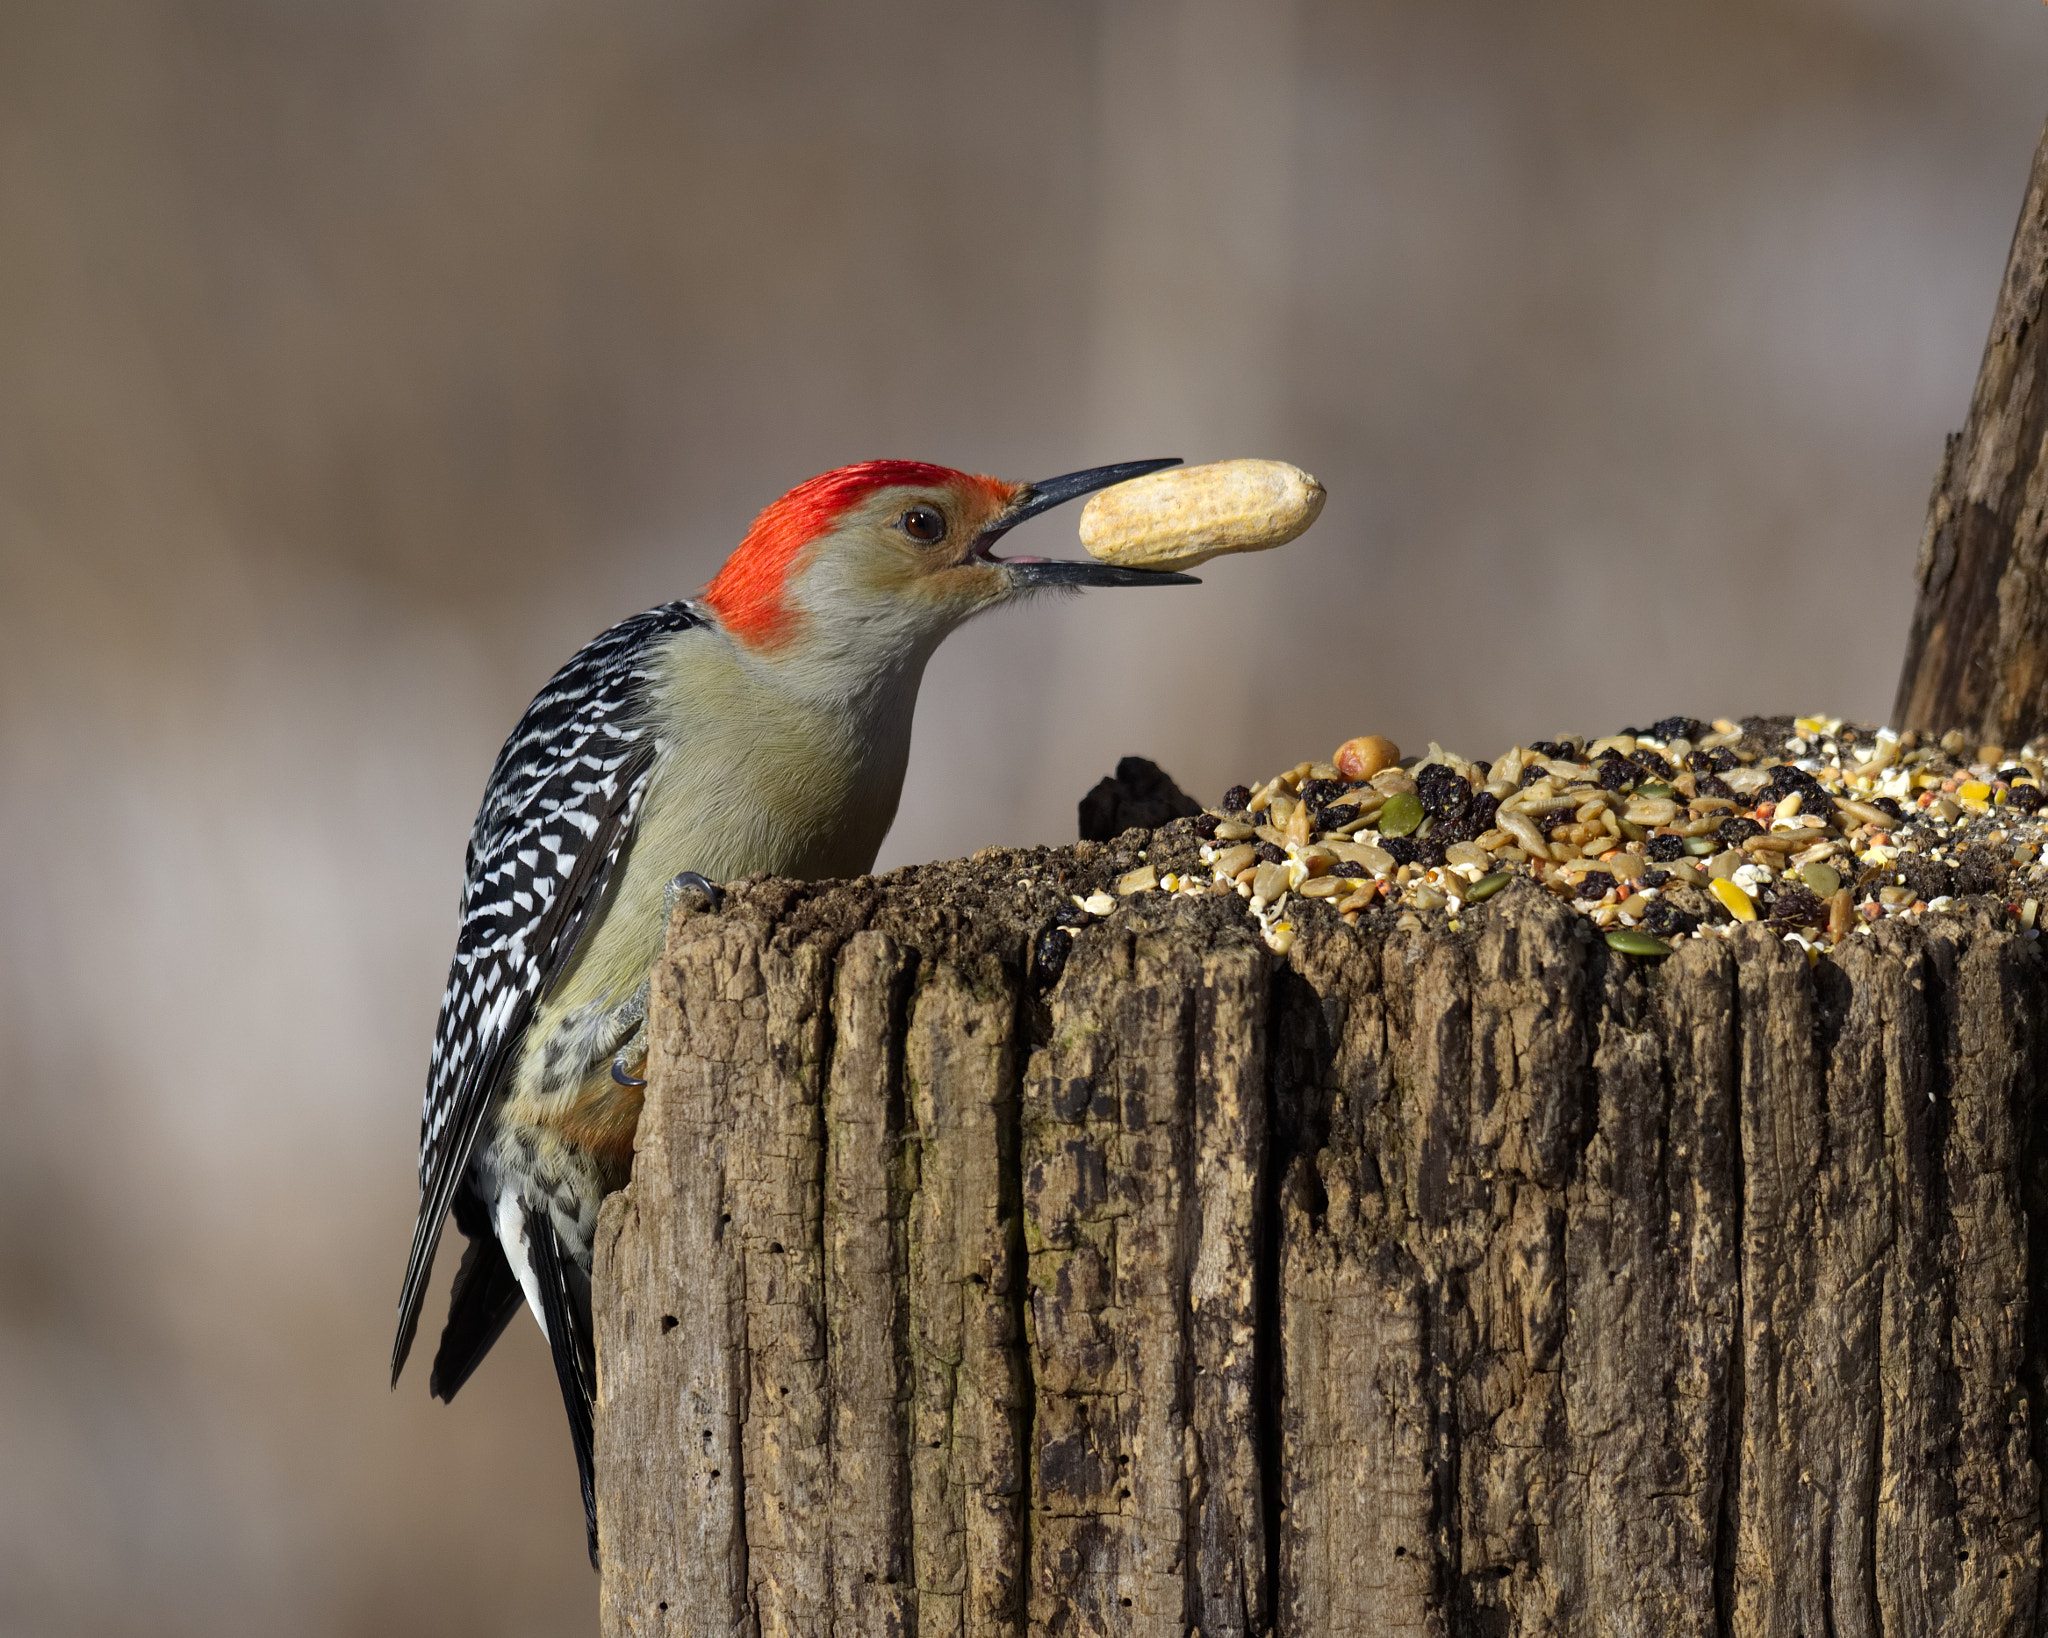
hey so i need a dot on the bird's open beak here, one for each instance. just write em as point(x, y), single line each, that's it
point(1042, 497)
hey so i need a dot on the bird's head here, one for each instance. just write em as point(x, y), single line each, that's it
point(878, 561)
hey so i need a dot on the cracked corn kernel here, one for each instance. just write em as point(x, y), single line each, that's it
point(1739, 904)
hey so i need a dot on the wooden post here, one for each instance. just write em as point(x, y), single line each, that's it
point(978, 1278)
point(1977, 655)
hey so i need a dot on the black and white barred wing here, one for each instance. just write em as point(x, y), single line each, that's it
point(556, 816)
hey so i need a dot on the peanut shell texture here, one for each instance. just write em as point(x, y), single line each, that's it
point(1188, 514)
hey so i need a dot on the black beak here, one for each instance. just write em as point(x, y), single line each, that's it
point(1043, 497)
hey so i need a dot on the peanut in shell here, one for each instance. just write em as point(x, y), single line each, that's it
point(1186, 515)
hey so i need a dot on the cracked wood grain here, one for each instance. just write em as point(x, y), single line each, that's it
point(1977, 650)
point(1143, 1133)
point(1477, 1283)
point(970, 1386)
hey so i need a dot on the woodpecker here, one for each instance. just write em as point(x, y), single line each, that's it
point(761, 727)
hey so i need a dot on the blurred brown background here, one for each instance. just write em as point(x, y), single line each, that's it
point(359, 361)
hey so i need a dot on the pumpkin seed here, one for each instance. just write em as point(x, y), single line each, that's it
point(1485, 888)
point(1824, 880)
point(1402, 814)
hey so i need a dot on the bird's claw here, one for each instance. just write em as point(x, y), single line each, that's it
point(621, 1077)
point(708, 894)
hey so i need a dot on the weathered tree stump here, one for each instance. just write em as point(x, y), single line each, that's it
point(1977, 654)
point(1454, 1281)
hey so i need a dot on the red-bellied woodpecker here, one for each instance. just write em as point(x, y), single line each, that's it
point(762, 727)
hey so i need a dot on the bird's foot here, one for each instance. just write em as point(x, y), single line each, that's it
point(626, 1028)
point(698, 893)
point(687, 887)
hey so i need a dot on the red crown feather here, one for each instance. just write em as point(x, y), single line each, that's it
point(748, 591)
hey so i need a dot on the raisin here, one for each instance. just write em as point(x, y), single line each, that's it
point(1444, 791)
point(1797, 904)
point(1708, 785)
point(1783, 780)
point(1319, 792)
point(1205, 826)
point(1666, 920)
point(1330, 818)
point(1051, 954)
point(2013, 771)
point(1349, 869)
point(1671, 728)
point(1553, 750)
point(2027, 798)
point(1719, 760)
point(1237, 799)
point(1653, 764)
point(1616, 772)
point(1594, 884)
point(1401, 849)
point(1735, 830)
point(1889, 808)
point(1664, 848)
point(1786, 780)
point(1532, 773)
point(1270, 854)
point(1655, 878)
point(1485, 805)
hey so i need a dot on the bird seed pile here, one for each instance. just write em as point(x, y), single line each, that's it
point(1684, 830)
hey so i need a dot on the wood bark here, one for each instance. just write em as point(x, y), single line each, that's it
point(1447, 1281)
point(1977, 653)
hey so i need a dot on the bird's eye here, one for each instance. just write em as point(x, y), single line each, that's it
point(925, 523)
